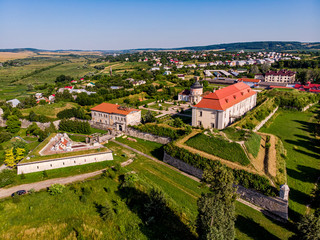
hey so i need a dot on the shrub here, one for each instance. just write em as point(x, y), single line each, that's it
point(56, 189)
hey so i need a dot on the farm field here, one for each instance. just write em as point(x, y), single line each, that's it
point(219, 147)
point(14, 80)
point(303, 154)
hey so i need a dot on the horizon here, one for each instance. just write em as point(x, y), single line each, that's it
point(111, 26)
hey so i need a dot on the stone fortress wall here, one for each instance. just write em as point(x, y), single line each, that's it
point(49, 164)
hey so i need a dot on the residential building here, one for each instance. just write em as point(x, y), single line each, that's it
point(14, 102)
point(224, 106)
point(167, 73)
point(115, 116)
point(281, 76)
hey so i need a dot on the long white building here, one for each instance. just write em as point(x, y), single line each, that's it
point(224, 106)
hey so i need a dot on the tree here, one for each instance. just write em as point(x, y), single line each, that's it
point(309, 227)
point(205, 83)
point(265, 67)
point(9, 159)
point(55, 189)
point(177, 122)
point(216, 209)
point(254, 69)
point(149, 117)
point(13, 124)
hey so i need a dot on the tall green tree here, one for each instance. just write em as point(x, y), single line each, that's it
point(13, 124)
point(216, 209)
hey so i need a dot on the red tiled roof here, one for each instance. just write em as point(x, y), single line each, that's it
point(113, 108)
point(249, 80)
point(226, 97)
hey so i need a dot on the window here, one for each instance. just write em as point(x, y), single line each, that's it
point(37, 167)
point(200, 113)
point(74, 161)
point(63, 163)
point(199, 123)
point(50, 165)
point(212, 125)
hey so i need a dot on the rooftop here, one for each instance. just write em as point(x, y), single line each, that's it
point(113, 108)
point(226, 97)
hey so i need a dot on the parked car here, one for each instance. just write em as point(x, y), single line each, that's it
point(18, 193)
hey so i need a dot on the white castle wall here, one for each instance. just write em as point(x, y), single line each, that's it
point(63, 162)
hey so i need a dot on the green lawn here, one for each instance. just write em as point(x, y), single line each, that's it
point(303, 154)
point(49, 110)
point(253, 144)
point(151, 148)
point(219, 147)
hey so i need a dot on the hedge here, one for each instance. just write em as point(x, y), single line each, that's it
point(242, 177)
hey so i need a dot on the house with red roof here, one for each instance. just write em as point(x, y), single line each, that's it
point(309, 87)
point(249, 81)
point(115, 116)
point(224, 106)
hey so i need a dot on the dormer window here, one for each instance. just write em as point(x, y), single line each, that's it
point(234, 96)
point(242, 93)
point(227, 100)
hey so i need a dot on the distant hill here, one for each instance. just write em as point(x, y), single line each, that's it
point(270, 46)
point(252, 46)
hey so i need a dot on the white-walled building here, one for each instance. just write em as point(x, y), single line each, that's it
point(282, 76)
point(192, 96)
point(115, 116)
point(224, 106)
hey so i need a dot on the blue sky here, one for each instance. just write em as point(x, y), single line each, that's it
point(106, 25)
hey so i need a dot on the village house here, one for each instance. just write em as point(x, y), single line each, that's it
point(224, 106)
point(281, 76)
point(14, 102)
point(115, 116)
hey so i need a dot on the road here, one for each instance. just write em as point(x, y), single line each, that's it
point(6, 192)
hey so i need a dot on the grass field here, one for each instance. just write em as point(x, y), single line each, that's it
point(151, 148)
point(250, 223)
point(253, 144)
point(219, 147)
point(303, 154)
point(66, 216)
point(49, 110)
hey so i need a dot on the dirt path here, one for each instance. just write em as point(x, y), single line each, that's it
point(271, 164)
point(180, 143)
point(6, 192)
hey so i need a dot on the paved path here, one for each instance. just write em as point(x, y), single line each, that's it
point(6, 192)
point(196, 179)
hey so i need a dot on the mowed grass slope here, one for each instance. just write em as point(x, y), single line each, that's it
point(250, 223)
point(303, 155)
point(219, 147)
